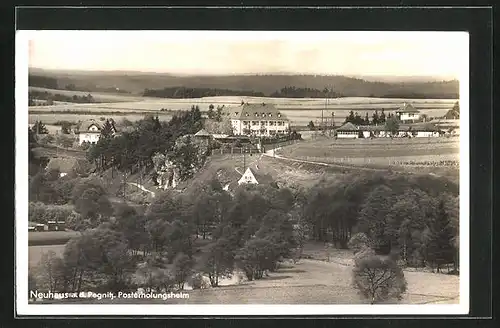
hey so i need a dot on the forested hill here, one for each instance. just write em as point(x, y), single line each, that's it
point(275, 85)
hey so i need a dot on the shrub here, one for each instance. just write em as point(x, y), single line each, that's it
point(359, 242)
point(379, 278)
point(198, 281)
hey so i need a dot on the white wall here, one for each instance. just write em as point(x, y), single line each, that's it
point(354, 135)
point(409, 116)
point(427, 134)
point(89, 137)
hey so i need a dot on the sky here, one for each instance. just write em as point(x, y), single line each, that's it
point(437, 54)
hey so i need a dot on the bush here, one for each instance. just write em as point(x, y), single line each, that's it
point(359, 242)
point(379, 278)
point(42, 213)
point(198, 281)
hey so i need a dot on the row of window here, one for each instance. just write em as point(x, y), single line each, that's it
point(264, 131)
point(280, 123)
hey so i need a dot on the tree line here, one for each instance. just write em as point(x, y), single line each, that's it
point(294, 92)
point(50, 98)
point(207, 231)
point(185, 92)
point(133, 150)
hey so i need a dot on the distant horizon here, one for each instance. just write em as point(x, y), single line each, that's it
point(430, 78)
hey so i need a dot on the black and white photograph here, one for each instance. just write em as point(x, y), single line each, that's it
point(242, 172)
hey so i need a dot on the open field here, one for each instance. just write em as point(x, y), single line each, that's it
point(299, 110)
point(39, 238)
point(309, 282)
point(382, 151)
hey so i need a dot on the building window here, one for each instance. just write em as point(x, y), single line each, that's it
point(280, 123)
point(254, 122)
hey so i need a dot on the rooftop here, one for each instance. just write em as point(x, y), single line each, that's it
point(256, 111)
point(407, 108)
point(348, 127)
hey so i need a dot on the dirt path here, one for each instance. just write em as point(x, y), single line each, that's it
point(142, 188)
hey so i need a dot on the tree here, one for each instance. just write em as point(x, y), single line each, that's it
point(66, 127)
point(65, 141)
point(440, 248)
point(311, 126)
point(218, 261)
point(133, 227)
point(211, 112)
point(359, 242)
point(108, 129)
point(392, 125)
point(375, 118)
point(257, 256)
point(39, 128)
point(91, 202)
point(379, 278)
point(382, 117)
point(50, 272)
point(182, 269)
point(367, 120)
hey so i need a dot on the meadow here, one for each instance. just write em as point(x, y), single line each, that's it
point(382, 151)
point(300, 111)
point(310, 281)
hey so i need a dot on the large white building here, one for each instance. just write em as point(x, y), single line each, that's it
point(258, 120)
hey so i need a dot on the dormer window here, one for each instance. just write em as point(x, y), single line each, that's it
point(270, 114)
point(235, 113)
point(247, 114)
point(279, 115)
point(257, 114)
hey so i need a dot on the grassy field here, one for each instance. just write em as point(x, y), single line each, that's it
point(310, 282)
point(383, 151)
point(299, 110)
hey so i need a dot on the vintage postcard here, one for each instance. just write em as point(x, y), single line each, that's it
point(242, 173)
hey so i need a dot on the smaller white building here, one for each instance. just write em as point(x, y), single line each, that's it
point(408, 113)
point(90, 132)
point(252, 177)
point(348, 131)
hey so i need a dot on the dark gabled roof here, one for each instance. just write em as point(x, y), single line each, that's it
point(256, 112)
point(407, 108)
point(85, 125)
point(348, 127)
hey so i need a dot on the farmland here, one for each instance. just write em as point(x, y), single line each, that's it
point(299, 111)
point(377, 151)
